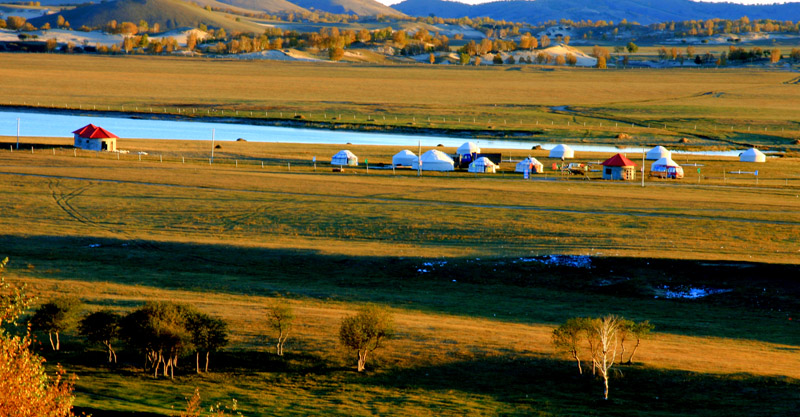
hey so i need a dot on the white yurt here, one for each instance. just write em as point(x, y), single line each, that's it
point(482, 164)
point(344, 157)
point(404, 158)
point(562, 151)
point(532, 165)
point(468, 148)
point(666, 168)
point(434, 160)
point(752, 155)
point(657, 153)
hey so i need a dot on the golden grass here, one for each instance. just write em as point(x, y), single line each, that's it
point(380, 213)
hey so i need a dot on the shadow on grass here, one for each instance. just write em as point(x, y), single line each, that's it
point(504, 289)
point(554, 386)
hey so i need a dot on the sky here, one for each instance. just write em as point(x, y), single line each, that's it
point(390, 2)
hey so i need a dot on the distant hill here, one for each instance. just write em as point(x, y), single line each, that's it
point(642, 11)
point(359, 7)
point(268, 6)
point(169, 14)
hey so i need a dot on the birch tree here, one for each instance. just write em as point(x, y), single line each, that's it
point(366, 332)
point(640, 331)
point(209, 334)
point(568, 337)
point(280, 316)
point(606, 330)
point(101, 327)
point(55, 317)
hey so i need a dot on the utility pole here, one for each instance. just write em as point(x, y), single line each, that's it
point(17, 132)
point(419, 158)
point(642, 167)
point(212, 146)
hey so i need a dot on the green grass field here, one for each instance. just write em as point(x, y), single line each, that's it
point(711, 108)
point(473, 331)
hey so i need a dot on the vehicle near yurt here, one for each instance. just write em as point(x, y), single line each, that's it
point(618, 167)
point(657, 153)
point(467, 151)
point(530, 164)
point(752, 155)
point(562, 152)
point(666, 168)
point(482, 164)
point(404, 158)
point(434, 160)
point(344, 158)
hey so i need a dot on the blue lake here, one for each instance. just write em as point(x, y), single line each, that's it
point(58, 125)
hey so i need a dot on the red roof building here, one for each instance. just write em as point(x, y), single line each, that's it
point(95, 138)
point(618, 160)
point(618, 167)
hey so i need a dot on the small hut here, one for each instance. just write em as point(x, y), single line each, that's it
point(618, 167)
point(562, 152)
point(434, 160)
point(666, 168)
point(752, 155)
point(343, 158)
point(530, 164)
point(95, 138)
point(657, 153)
point(404, 158)
point(483, 164)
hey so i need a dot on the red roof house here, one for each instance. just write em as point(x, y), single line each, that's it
point(618, 167)
point(95, 138)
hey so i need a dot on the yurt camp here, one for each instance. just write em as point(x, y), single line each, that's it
point(666, 168)
point(530, 164)
point(95, 138)
point(467, 151)
point(434, 160)
point(404, 158)
point(752, 155)
point(618, 167)
point(562, 152)
point(482, 164)
point(343, 158)
point(657, 153)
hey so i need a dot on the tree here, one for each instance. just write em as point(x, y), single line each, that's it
point(101, 327)
point(560, 60)
point(209, 334)
point(160, 331)
point(477, 61)
point(60, 21)
point(640, 331)
point(15, 22)
point(497, 60)
point(567, 338)
point(511, 60)
point(432, 58)
point(605, 330)
point(632, 47)
point(566, 39)
point(775, 56)
point(572, 60)
point(463, 58)
point(191, 41)
point(280, 317)
point(365, 332)
point(544, 41)
point(26, 390)
point(601, 62)
point(55, 317)
point(336, 53)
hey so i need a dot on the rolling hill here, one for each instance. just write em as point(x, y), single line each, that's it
point(359, 7)
point(169, 14)
point(268, 6)
point(642, 11)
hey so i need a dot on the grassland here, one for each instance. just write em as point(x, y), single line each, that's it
point(473, 330)
point(722, 108)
